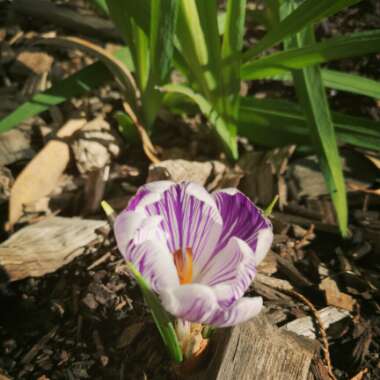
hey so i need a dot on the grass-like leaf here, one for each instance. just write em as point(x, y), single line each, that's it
point(193, 47)
point(160, 316)
point(101, 5)
point(199, 44)
point(222, 128)
point(308, 13)
point(122, 11)
point(232, 44)
point(312, 96)
point(85, 80)
point(161, 46)
point(356, 84)
point(277, 123)
point(354, 44)
point(338, 80)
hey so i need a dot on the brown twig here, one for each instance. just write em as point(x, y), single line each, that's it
point(322, 331)
point(148, 147)
point(99, 261)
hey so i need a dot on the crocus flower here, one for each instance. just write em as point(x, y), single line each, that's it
point(198, 251)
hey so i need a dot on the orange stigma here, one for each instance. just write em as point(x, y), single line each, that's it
point(184, 264)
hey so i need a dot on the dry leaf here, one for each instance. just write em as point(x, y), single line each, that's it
point(182, 170)
point(6, 181)
point(374, 159)
point(334, 297)
point(33, 61)
point(360, 375)
point(364, 189)
point(15, 145)
point(94, 146)
point(40, 176)
point(264, 172)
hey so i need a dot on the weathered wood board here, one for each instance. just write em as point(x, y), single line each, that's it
point(46, 246)
point(257, 350)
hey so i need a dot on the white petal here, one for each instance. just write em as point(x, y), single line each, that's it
point(149, 252)
point(198, 303)
point(126, 224)
point(242, 311)
point(264, 242)
point(159, 186)
point(193, 302)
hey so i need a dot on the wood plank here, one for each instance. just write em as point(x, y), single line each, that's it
point(257, 350)
point(305, 326)
point(46, 246)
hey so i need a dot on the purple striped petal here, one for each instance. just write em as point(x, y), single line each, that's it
point(189, 215)
point(148, 251)
point(229, 272)
point(241, 218)
point(198, 303)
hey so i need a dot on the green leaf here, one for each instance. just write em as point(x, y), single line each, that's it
point(162, 28)
point(127, 127)
point(85, 80)
point(193, 47)
point(234, 28)
point(102, 7)
point(278, 123)
point(122, 19)
point(341, 81)
point(160, 316)
point(232, 44)
point(141, 57)
point(227, 135)
point(312, 96)
point(122, 12)
point(351, 83)
point(268, 210)
point(77, 84)
point(308, 13)
point(355, 44)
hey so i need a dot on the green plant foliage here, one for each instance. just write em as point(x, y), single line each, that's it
point(277, 123)
point(101, 6)
point(160, 316)
point(337, 80)
point(312, 96)
point(80, 83)
point(205, 45)
point(355, 84)
point(148, 29)
point(206, 108)
point(308, 13)
point(297, 58)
